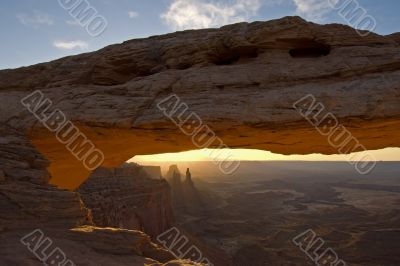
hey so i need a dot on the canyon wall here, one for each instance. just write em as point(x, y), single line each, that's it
point(25, 196)
point(28, 203)
point(127, 197)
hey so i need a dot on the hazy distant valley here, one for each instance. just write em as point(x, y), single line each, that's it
point(253, 215)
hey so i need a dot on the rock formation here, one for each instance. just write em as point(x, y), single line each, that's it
point(188, 180)
point(194, 199)
point(185, 196)
point(87, 245)
point(153, 171)
point(241, 80)
point(27, 203)
point(127, 197)
point(173, 170)
point(26, 198)
point(175, 181)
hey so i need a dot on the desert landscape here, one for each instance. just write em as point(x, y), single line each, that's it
point(258, 214)
point(199, 133)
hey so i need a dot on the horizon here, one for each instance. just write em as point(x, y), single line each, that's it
point(255, 161)
point(384, 155)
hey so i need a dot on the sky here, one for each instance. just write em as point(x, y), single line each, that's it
point(388, 154)
point(35, 31)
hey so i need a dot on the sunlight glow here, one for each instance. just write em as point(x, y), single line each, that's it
point(388, 154)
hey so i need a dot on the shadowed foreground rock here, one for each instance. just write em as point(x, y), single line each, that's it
point(242, 80)
point(27, 203)
point(87, 245)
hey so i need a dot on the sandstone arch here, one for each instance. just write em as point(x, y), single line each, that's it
point(240, 79)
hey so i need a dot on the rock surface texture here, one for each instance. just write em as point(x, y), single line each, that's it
point(87, 245)
point(242, 80)
point(128, 198)
point(28, 203)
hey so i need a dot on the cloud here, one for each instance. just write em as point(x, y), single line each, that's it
point(71, 45)
point(73, 22)
point(196, 14)
point(38, 18)
point(133, 14)
point(315, 10)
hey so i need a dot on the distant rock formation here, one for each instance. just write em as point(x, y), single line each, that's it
point(188, 180)
point(185, 196)
point(153, 171)
point(171, 170)
point(194, 200)
point(174, 179)
point(126, 197)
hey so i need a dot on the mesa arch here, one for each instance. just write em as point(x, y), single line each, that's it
point(242, 80)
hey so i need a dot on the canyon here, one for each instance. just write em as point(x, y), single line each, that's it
point(258, 211)
point(126, 197)
point(241, 79)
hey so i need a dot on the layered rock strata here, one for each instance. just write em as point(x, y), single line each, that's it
point(29, 203)
point(128, 198)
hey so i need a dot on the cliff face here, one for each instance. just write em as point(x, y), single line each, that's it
point(25, 196)
point(28, 203)
point(128, 198)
